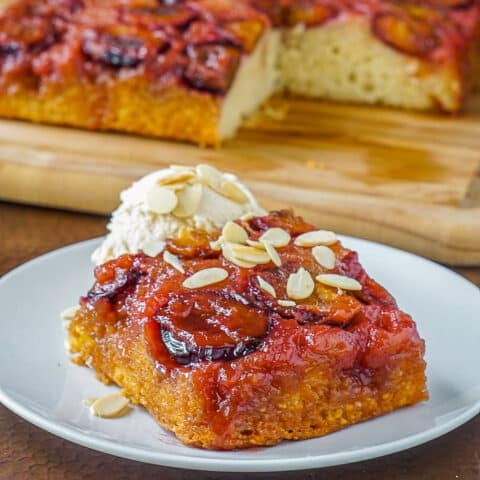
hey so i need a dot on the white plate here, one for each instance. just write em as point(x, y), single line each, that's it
point(38, 382)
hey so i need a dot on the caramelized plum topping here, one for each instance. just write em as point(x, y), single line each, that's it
point(409, 34)
point(210, 326)
point(116, 52)
point(274, 9)
point(282, 219)
point(308, 13)
point(212, 67)
point(247, 32)
point(160, 16)
point(9, 49)
point(122, 280)
point(192, 243)
point(200, 33)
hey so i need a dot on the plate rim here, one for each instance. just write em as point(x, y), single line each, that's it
point(186, 461)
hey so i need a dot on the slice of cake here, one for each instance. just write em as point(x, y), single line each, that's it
point(272, 332)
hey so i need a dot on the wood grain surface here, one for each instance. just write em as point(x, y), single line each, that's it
point(26, 452)
point(407, 179)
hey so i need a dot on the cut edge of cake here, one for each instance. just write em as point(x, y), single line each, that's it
point(344, 61)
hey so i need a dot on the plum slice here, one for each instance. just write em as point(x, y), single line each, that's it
point(113, 51)
point(308, 13)
point(8, 49)
point(210, 326)
point(123, 280)
point(212, 67)
point(408, 34)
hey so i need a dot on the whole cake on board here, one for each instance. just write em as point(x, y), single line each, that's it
point(192, 70)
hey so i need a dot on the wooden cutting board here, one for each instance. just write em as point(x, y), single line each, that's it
point(406, 179)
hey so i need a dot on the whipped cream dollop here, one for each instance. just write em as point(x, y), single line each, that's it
point(163, 203)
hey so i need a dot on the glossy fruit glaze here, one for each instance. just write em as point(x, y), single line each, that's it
point(198, 44)
point(233, 333)
point(194, 44)
point(234, 318)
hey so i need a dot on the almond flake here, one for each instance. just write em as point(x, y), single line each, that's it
point(287, 303)
point(273, 254)
point(112, 405)
point(266, 287)
point(161, 200)
point(69, 313)
point(339, 281)
point(234, 192)
point(205, 277)
point(317, 237)
point(300, 285)
point(255, 244)
point(228, 254)
point(188, 200)
point(277, 237)
point(173, 260)
point(216, 245)
point(247, 216)
point(249, 254)
point(234, 233)
point(153, 247)
point(324, 256)
point(175, 177)
point(210, 176)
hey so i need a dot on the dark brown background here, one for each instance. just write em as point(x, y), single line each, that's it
point(28, 452)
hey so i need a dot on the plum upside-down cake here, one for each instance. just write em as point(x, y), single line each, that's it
point(192, 69)
point(271, 332)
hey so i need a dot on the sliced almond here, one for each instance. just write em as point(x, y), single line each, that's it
point(175, 177)
point(234, 233)
point(339, 281)
point(287, 303)
point(266, 287)
point(173, 260)
point(278, 237)
point(205, 277)
point(210, 176)
point(153, 247)
point(324, 256)
point(69, 313)
point(249, 254)
point(228, 254)
point(234, 192)
point(109, 406)
point(188, 200)
point(300, 285)
point(317, 237)
point(255, 244)
point(273, 254)
point(161, 200)
point(247, 216)
point(216, 245)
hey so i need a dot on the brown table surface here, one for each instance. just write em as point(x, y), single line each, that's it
point(29, 452)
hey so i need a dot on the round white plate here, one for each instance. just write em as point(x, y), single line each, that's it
point(38, 382)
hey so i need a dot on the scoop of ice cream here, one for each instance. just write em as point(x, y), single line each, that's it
point(163, 203)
